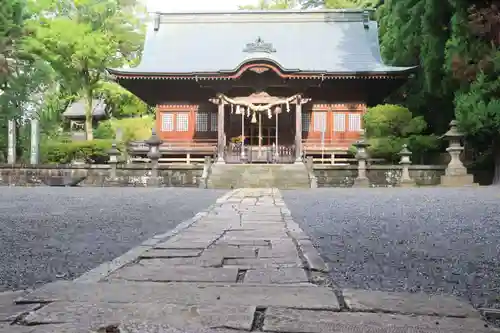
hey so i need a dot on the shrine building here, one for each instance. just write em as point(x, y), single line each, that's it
point(261, 86)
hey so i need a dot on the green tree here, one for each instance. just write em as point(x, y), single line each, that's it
point(473, 55)
point(22, 79)
point(389, 126)
point(81, 39)
point(121, 102)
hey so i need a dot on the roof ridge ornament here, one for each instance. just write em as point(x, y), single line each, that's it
point(259, 46)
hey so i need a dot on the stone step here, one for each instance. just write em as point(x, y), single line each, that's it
point(290, 176)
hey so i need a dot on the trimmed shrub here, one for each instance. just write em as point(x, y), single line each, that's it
point(64, 152)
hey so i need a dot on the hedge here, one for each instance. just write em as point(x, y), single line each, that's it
point(64, 152)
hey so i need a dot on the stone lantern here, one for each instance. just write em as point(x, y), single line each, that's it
point(154, 155)
point(406, 180)
point(113, 159)
point(455, 173)
point(362, 156)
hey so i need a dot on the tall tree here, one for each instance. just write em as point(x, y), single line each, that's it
point(474, 58)
point(455, 43)
point(81, 38)
point(22, 79)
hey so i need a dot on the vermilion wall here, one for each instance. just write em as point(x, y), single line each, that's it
point(309, 136)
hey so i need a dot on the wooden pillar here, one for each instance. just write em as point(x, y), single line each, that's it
point(260, 134)
point(298, 131)
point(220, 133)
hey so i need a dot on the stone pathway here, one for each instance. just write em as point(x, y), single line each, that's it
point(242, 265)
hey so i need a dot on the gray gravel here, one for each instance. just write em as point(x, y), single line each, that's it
point(422, 239)
point(60, 233)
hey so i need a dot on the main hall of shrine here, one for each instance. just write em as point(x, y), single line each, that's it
point(261, 86)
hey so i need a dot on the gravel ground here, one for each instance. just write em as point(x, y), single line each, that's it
point(422, 239)
point(60, 233)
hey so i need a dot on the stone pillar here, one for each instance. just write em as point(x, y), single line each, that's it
point(206, 171)
point(35, 141)
point(220, 133)
point(361, 155)
point(11, 142)
point(298, 132)
point(455, 173)
point(154, 155)
point(113, 160)
point(406, 180)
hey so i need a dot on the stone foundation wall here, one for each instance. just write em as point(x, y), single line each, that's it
point(136, 175)
point(379, 175)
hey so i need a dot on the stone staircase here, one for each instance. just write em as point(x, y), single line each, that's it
point(281, 176)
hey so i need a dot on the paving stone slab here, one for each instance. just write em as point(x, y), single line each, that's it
point(408, 303)
point(312, 257)
point(262, 234)
point(141, 327)
point(101, 314)
point(159, 270)
point(229, 252)
point(7, 328)
point(162, 253)
point(311, 297)
point(280, 251)
point(193, 245)
point(264, 263)
point(248, 226)
point(276, 276)
point(244, 242)
point(299, 321)
point(9, 310)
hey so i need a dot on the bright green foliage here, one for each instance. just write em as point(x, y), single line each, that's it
point(121, 102)
point(104, 130)
point(64, 152)
point(388, 127)
point(132, 128)
point(82, 40)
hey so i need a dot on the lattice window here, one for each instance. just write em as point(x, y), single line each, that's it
point(339, 122)
point(213, 122)
point(306, 121)
point(202, 122)
point(354, 122)
point(167, 122)
point(182, 124)
point(319, 121)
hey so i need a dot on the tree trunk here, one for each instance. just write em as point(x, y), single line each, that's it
point(496, 159)
point(89, 133)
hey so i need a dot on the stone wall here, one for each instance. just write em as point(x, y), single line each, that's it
point(136, 175)
point(379, 175)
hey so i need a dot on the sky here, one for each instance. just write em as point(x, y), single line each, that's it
point(195, 5)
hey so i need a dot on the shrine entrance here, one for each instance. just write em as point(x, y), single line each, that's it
point(262, 129)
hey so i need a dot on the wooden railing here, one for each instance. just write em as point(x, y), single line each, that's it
point(177, 151)
point(267, 154)
point(316, 145)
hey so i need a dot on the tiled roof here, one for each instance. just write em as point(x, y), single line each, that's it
point(77, 109)
point(337, 42)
